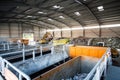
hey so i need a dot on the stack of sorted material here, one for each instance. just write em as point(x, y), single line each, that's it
point(78, 77)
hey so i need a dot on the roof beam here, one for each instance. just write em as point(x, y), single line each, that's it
point(28, 20)
point(33, 15)
point(60, 21)
point(91, 12)
point(30, 6)
point(36, 24)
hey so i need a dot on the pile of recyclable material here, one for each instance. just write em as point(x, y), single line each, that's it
point(79, 41)
point(113, 42)
point(78, 77)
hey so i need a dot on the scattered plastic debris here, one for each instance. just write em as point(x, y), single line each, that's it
point(80, 76)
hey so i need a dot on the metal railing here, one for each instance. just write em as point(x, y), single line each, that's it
point(6, 64)
point(6, 46)
point(23, 51)
point(100, 67)
point(33, 51)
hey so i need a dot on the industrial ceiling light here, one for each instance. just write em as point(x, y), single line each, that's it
point(40, 12)
point(29, 16)
point(62, 17)
point(77, 13)
point(57, 7)
point(100, 8)
point(50, 19)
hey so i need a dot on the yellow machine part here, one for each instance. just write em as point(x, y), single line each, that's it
point(43, 41)
point(46, 38)
point(60, 42)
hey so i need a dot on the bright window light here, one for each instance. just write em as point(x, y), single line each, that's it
point(100, 8)
point(66, 29)
point(62, 17)
point(93, 27)
point(76, 28)
point(77, 13)
point(109, 26)
point(57, 29)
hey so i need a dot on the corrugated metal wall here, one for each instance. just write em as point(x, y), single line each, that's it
point(16, 30)
point(4, 30)
point(66, 33)
point(77, 33)
point(36, 33)
point(42, 32)
point(57, 34)
point(92, 33)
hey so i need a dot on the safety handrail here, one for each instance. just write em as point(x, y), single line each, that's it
point(23, 51)
point(26, 50)
point(6, 46)
point(21, 74)
point(101, 66)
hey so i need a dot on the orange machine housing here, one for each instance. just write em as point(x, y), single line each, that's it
point(87, 51)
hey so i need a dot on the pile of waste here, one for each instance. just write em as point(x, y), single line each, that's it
point(79, 41)
point(113, 42)
point(78, 77)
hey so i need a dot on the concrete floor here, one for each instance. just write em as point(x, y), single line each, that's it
point(113, 73)
point(114, 70)
point(1, 78)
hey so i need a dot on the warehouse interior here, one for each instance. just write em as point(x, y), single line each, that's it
point(59, 39)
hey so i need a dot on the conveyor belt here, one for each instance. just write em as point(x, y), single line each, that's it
point(18, 57)
point(32, 66)
point(48, 68)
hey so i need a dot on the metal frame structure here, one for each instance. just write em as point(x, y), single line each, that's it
point(94, 74)
point(6, 63)
point(6, 46)
point(18, 10)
